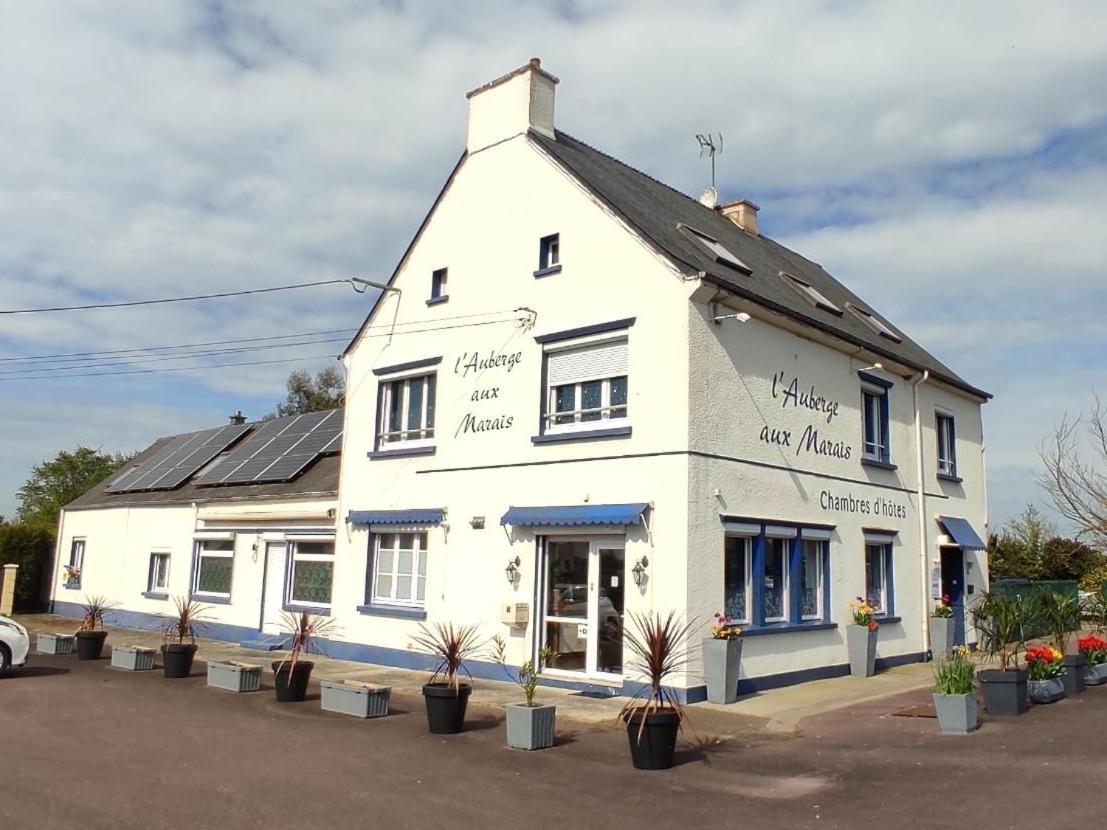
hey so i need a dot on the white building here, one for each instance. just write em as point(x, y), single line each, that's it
point(586, 395)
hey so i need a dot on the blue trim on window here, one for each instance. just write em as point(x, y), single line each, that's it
point(325, 611)
point(445, 298)
point(545, 272)
point(875, 380)
point(400, 452)
point(757, 580)
point(890, 579)
point(949, 478)
point(880, 465)
point(392, 611)
point(581, 435)
point(584, 331)
point(788, 628)
point(425, 363)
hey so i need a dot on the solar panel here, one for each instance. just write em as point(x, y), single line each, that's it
point(261, 436)
point(178, 460)
point(143, 471)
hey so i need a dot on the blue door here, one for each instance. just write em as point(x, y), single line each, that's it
point(953, 587)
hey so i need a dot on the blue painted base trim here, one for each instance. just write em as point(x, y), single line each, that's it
point(154, 622)
point(272, 642)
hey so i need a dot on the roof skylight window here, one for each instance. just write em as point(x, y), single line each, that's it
point(810, 293)
point(875, 323)
point(718, 250)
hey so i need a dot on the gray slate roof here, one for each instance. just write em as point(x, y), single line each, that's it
point(654, 210)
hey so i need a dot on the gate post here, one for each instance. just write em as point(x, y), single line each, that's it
point(7, 590)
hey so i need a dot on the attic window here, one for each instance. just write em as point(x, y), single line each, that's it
point(810, 293)
point(875, 323)
point(719, 251)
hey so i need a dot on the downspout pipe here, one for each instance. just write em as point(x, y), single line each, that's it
point(924, 545)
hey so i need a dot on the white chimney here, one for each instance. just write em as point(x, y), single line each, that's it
point(508, 106)
point(742, 213)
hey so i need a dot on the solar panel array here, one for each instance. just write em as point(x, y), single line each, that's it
point(171, 466)
point(279, 450)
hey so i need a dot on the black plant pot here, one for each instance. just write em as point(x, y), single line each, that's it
point(446, 707)
point(90, 644)
point(292, 681)
point(1004, 691)
point(1074, 674)
point(652, 745)
point(177, 658)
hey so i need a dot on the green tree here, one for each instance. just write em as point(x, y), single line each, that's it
point(56, 482)
point(1018, 552)
point(311, 394)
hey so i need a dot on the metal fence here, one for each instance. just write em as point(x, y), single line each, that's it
point(1028, 589)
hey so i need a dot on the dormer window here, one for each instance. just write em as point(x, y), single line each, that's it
point(438, 293)
point(874, 323)
point(549, 255)
point(719, 251)
point(810, 293)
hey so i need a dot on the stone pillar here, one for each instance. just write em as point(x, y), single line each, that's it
point(7, 589)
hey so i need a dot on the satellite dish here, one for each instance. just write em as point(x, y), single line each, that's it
point(709, 198)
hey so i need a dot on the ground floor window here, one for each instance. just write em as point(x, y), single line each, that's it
point(736, 578)
point(311, 574)
point(76, 562)
point(214, 568)
point(878, 577)
point(158, 580)
point(812, 554)
point(400, 569)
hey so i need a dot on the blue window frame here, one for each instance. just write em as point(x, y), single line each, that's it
point(549, 252)
point(947, 445)
point(438, 293)
point(879, 578)
point(876, 446)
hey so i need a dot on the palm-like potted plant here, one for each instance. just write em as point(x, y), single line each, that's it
point(658, 649)
point(529, 725)
point(1001, 623)
point(90, 633)
point(445, 695)
point(722, 659)
point(1093, 648)
point(1046, 670)
point(291, 675)
point(942, 628)
point(1059, 615)
point(861, 638)
point(954, 698)
point(177, 655)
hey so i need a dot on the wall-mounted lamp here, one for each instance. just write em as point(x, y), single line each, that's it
point(878, 366)
point(512, 570)
point(741, 317)
point(639, 571)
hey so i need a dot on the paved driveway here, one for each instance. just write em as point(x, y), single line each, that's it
point(85, 746)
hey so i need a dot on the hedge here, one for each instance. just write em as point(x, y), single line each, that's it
point(31, 548)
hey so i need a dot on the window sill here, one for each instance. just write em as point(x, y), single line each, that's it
point(952, 479)
point(72, 584)
point(875, 462)
point(545, 272)
point(322, 610)
point(402, 452)
point(785, 628)
point(155, 595)
point(892, 620)
point(392, 611)
point(580, 435)
point(445, 298)
point(213, 600)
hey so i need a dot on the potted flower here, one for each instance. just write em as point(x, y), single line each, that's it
point(1001, 622)
point(291, 675)
point(1045, 668)
point(177, 655)
point(861, 639)
point(722, 657)
point(942, 630)
point(1059, 615)
point(529, 725)
point(954, 699)
point(658, 649)
point(445, 695)
point(1093, 649)
point(91, 634)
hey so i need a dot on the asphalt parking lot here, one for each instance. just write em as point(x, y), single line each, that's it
point(86, 746)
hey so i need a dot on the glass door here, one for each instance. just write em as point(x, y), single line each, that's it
point(583, 606)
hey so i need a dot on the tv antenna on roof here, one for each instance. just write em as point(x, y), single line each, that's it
point(711, 145)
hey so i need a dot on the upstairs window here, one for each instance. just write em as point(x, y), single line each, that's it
point(810, 293)
point(549, 255)
point(874, 323)
point(438, 292)
point(875, 441)
point(719, 251)
point(406, 412)
point(947, 446)
point(586, 387)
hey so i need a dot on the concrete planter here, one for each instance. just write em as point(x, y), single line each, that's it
point(956, 713)
point(942, 637)
point(530, 727)
point(55, 643)
point(1046, 691)
point(234, 677)
point(721, 661)
point(1095, 675)
point(132, 658)
point(1074, 674)
point(361, 700)
point(1005, 692)
point(861, 643)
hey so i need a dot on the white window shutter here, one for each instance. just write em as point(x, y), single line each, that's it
point(591, 362)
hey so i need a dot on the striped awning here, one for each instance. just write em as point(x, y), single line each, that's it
point(577, 515)
point(419, 516)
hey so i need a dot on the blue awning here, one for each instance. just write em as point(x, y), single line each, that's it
point(575, 515)
point(426, 516)
point(961, 532)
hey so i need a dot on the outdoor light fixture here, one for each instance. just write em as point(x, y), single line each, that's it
point(639, 571)
point(512, 570)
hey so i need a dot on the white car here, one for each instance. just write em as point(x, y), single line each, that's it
point(14, 644)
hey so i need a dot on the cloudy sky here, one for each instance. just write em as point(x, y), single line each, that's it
point(947, 160)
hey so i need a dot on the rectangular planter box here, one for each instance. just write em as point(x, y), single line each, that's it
point(55, 643)
point(1095, 675)
point(956, 713)
point(234, 677)
point(721, 662)
point(530, 727)
point(1074, 674)
point(1005, 692)
point(361, 700)
point(132, 658)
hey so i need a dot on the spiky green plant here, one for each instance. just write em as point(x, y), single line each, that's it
point(658, 649)
point(186, 622)
point(526, 676)
point(1059, 615)
point(94, 609)
point(1002, 622)
point(451, 647)
point(304, 631)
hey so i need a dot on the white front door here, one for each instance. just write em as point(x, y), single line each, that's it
point(275, 566)
point(583, 606)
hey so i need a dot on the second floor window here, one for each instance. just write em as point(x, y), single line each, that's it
point(549, 252)
point(407, 411)
point(439, 291)
point(874, 424)
point(947, 446)
point(587, 387)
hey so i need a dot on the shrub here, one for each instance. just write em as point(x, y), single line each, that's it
point(31, 547)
